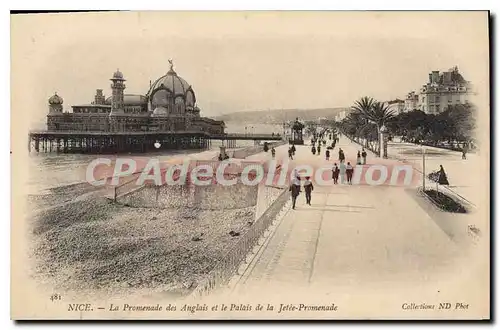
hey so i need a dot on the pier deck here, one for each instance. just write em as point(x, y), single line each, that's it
point(113, 142)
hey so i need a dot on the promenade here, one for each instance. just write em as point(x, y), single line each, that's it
point(369, 238)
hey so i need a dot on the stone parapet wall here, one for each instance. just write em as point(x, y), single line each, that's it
point(213, 196)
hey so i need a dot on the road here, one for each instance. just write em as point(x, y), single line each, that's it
point(469, 178)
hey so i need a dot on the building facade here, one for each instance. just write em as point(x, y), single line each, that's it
point(342, 115)
point(168, 106)
point(397, 106)
point(442, 90)
point(411, 102)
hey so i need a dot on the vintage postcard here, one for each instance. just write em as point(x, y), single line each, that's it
point(250, 165)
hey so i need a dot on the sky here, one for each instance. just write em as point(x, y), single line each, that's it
point(239, 61)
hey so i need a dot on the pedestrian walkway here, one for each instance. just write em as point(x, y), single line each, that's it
point(351, 237)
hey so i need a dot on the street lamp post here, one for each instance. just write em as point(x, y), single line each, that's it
point(383, 130)
point(423, 168)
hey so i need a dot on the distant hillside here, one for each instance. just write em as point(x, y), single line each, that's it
point(278, 116)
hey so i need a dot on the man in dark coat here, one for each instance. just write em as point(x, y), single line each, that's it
point(295, 189)
point(335, 173)
point(341, 155)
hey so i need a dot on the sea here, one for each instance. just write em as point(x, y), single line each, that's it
point(50, 170)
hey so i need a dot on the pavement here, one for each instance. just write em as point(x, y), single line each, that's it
point(352, 239)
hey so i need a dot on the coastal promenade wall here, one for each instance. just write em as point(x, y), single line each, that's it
point(191, 196)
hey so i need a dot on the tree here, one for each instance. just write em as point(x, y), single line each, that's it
point(364, 106)
point(373, 111)
point(310, 128)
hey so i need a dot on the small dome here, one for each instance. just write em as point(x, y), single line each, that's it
point(55, 99)
point(160, 111)
point(118, 74)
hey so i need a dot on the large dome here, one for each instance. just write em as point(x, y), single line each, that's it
point(174, 85)
point(172, 82)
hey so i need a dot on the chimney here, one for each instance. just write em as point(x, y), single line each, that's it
point(99, 97)
point(435, 76)
point(430, 78)
point(447, 77)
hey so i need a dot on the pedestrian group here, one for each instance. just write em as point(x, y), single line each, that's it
point(343, 171)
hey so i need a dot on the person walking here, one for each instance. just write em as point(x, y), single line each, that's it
point(342, 172)
point(358, 159)
point(273, 152)
point(349, 170)
point(295, 190)
point(290, 153)
point(313, 150)
point(335, 173)
point(319, 149)
point(464, 152)
point(341, 155)
point(308, 188)
point(327, 154)
point(293, 149)
point(363, 154)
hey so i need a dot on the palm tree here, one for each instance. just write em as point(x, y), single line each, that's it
point(364, 105)
point(362, 110)
point(381, 114)
point(373, 112)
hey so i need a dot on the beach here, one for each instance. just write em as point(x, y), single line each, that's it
point(82, 241)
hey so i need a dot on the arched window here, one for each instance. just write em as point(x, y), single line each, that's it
point(161, 98)
point(179, 105)
point(189, 99)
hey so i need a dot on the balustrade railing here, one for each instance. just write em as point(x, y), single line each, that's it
point(237, 254)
